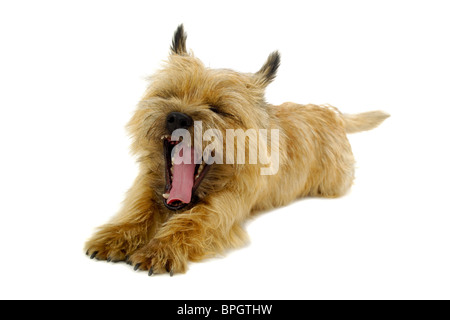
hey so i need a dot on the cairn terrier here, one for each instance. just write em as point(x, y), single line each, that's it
point(179, 210)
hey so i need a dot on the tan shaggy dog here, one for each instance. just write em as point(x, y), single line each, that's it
point(158, 232)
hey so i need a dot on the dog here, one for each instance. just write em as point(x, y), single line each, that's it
point(176, 213)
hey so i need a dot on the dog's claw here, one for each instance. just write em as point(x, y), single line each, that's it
point(109, 259)
point(150, 272)
point(171, 272)
point(94, 254)
point(137, 266)
point(87, 252)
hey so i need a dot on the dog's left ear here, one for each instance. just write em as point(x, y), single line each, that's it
point(179, 41)
point(268, 71)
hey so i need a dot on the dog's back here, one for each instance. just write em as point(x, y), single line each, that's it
point(315, 155)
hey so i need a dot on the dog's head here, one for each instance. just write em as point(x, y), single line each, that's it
point(186, 95)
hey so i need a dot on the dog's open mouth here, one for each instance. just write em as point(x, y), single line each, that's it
point(182, 179)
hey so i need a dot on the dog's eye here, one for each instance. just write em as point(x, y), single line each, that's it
point(222, 113)
point(219, 111)
point(214, 109)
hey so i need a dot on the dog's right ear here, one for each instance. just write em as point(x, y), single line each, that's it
point(268, 71)
point(179, 41)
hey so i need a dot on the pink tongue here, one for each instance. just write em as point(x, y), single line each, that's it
point(183, 179)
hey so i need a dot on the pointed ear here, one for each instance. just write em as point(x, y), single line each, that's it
point(268, 71)
point(179, 41)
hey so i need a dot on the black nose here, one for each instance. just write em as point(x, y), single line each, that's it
point(178, 120)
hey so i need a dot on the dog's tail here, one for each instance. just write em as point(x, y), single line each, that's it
point(363, 121)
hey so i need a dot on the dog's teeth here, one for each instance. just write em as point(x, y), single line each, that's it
point(165, 196)
point(196, 177)
point(171, 170)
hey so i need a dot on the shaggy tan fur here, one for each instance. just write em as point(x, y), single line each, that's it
point(314, 154)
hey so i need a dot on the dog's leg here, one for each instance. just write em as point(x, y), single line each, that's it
point(133, 227)
point(201, 232)
point(338, 172)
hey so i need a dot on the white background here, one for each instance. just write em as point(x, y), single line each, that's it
point(72, 72)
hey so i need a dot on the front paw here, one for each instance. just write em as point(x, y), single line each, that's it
point(160, 257)
point(112, 243)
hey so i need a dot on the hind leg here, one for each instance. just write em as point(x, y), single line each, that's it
point(336, 186)
point(338, 174)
